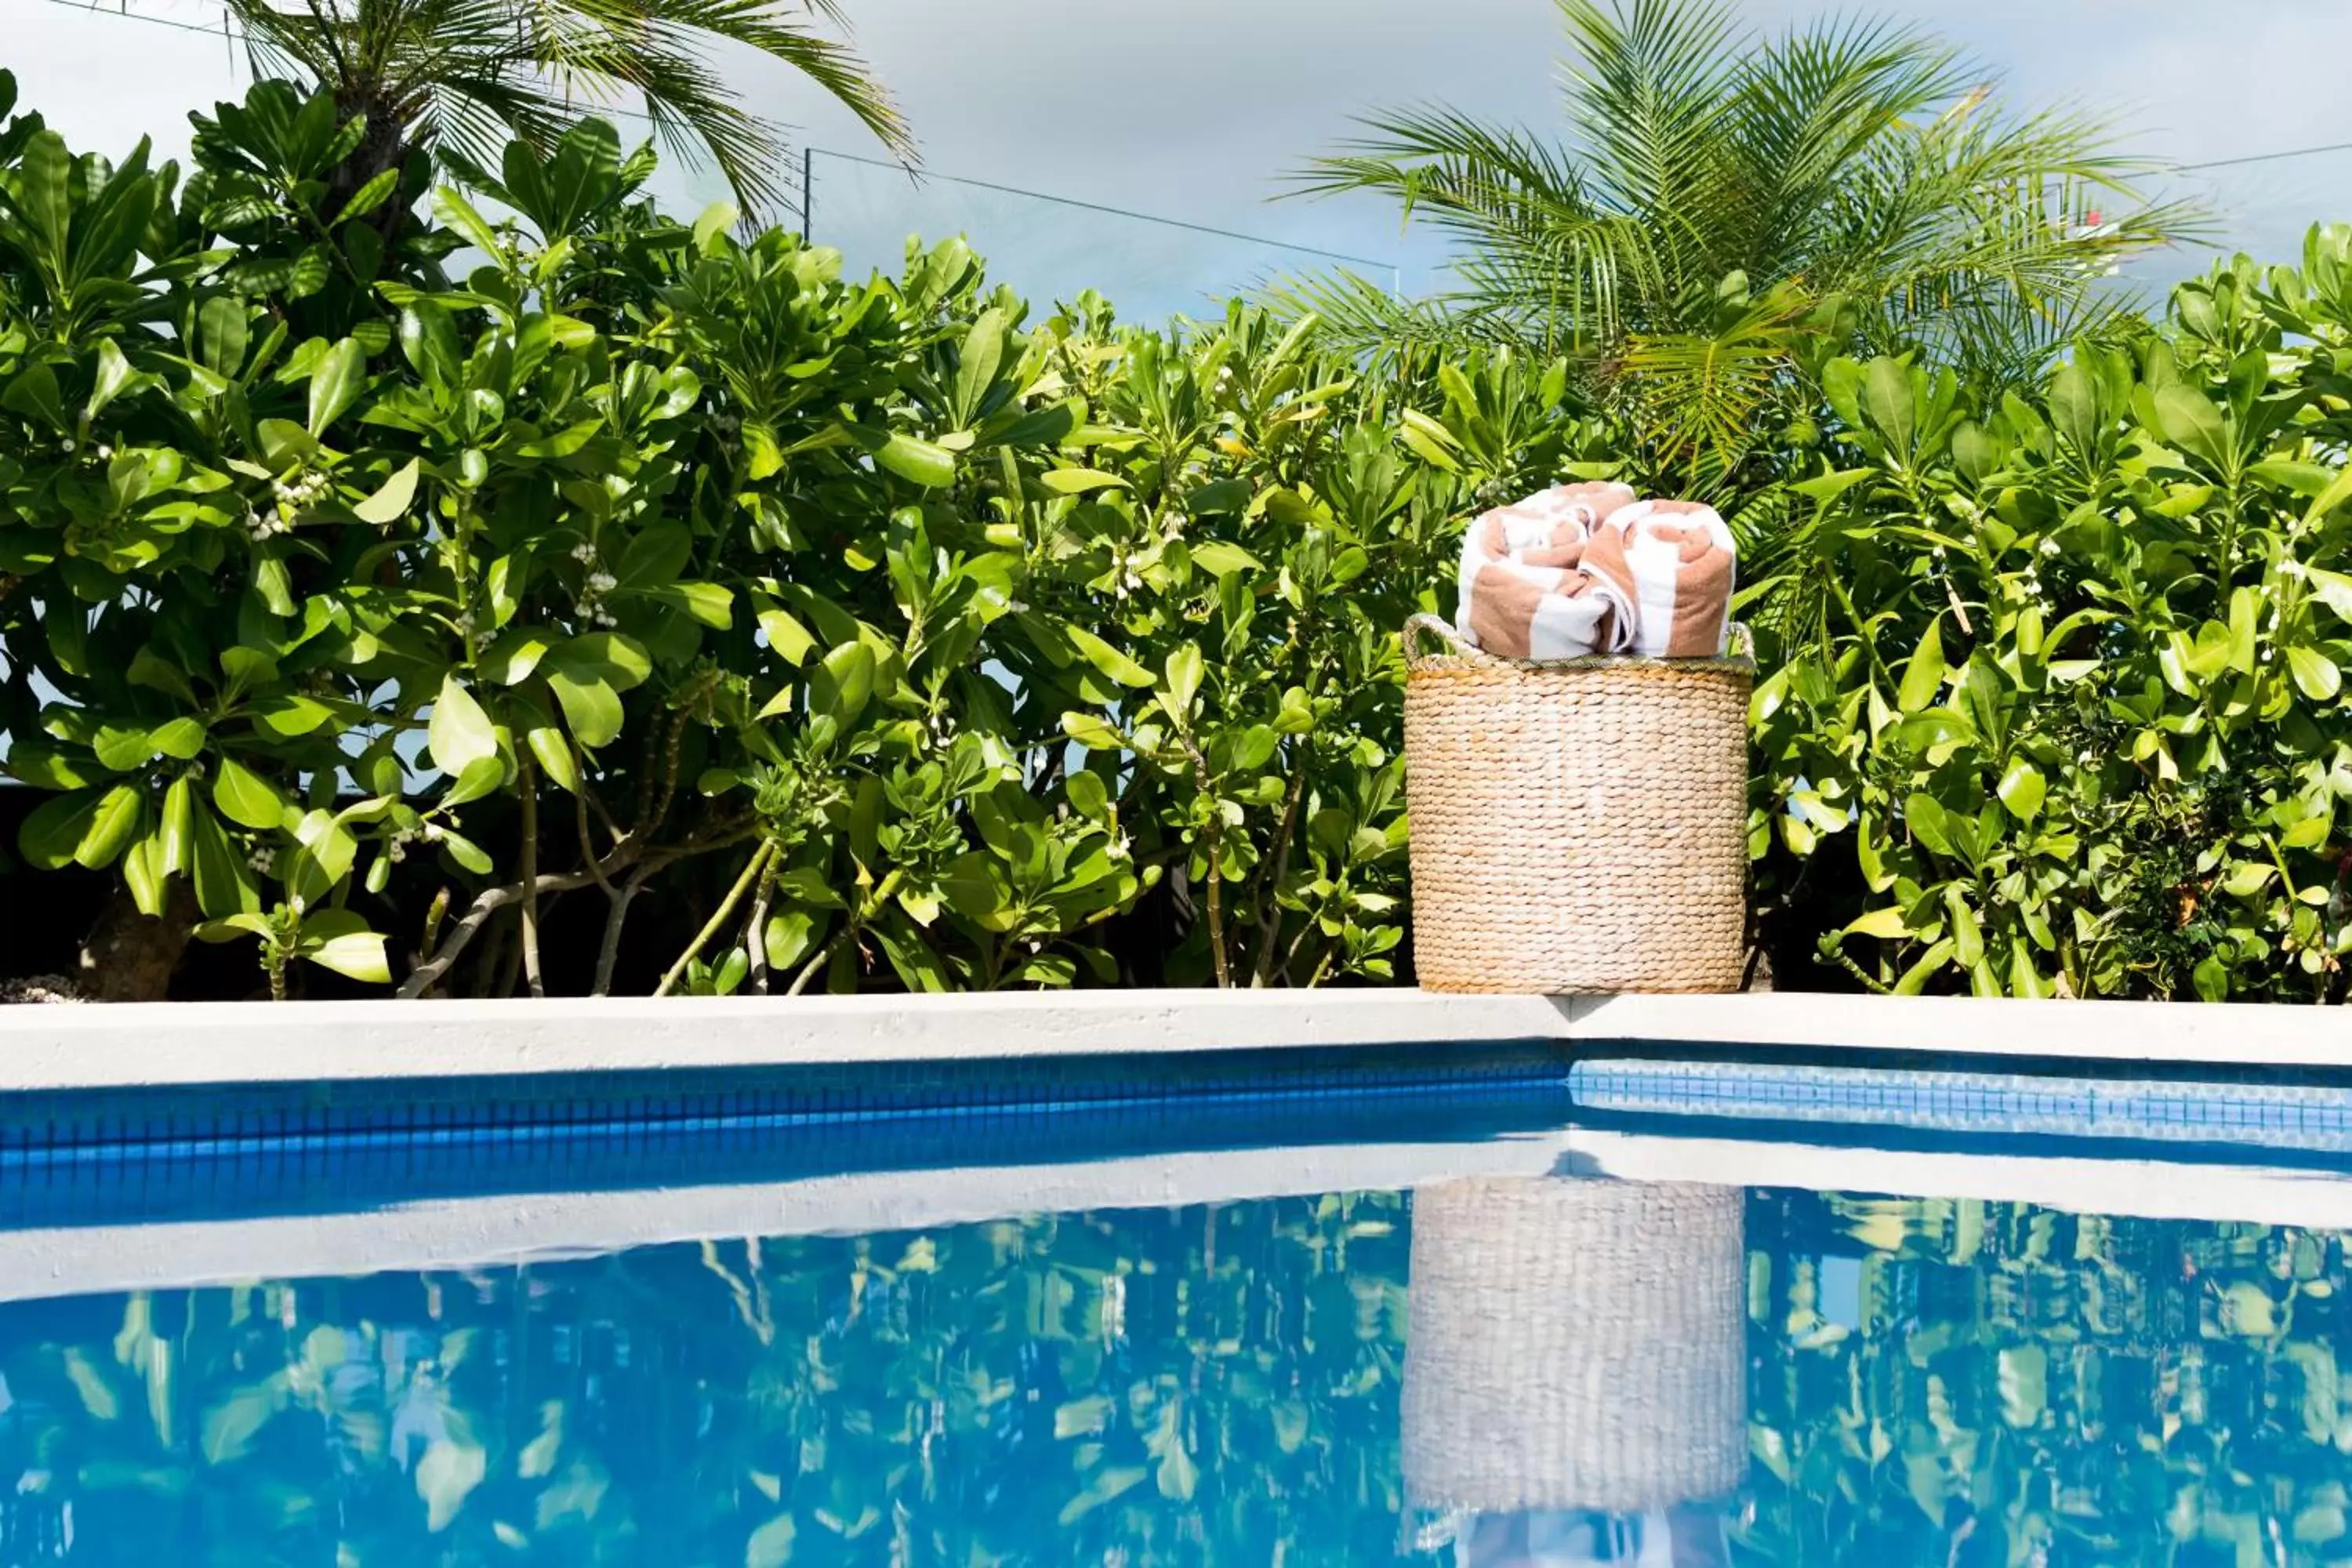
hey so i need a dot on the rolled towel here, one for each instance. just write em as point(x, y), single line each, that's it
point(1526, 589)
point(1680, 563)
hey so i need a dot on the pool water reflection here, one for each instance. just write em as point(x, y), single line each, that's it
point(1581, 1371)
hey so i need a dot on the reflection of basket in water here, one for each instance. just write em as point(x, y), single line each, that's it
point(1574, 1344)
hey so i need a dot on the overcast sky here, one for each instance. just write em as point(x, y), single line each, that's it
point(1193, 109)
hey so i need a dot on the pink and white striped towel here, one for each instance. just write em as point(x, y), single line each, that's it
point(1682, 565)
point(1527, 589)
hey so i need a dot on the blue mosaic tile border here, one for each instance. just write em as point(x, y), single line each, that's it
point(2314, 1117)
point(81, 1157)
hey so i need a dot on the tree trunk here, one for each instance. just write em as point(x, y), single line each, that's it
point(130, 957)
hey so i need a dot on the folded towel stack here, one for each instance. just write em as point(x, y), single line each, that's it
point(1591, 569)
point(1528, 590)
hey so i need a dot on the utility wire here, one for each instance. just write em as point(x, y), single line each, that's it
point(1099, 207)
point(91, 8)
point(2263, 157)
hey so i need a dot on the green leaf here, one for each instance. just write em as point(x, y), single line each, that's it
point(1106, 659)
point(1218, 559)
point(1888, 402)
point(785, 634)
point(323, 852)
point(428, 340)
point(618, 660)
point(1089, 796)
point(712, 222)
point(480, 777)
point(458, 212)
point(359, 955)
point(369, 197)
point(1078, 481)
point(54, 830)
point(459, 732)
point(114, 376)
point(1886, 925)
point(2317, 675)
point(977, 362)
point(291, 714)
point(119, 750)
point(917, 462)
point(842, 683)
point(150, 669)
point(1185, 668)
point(706, 603)
point(391, 500)
point(2333, 588)
point(467, 853)
point(1092, 732)
point(554, 756)
point(246, 798)
point(1928, 822)
point(113, 824)
point(2022, 790)
point(2338, 491)
point(335, 384)
point(142, 873)
point(656, 557)
point(1923, 677)
point(2191, 421)
point(789, 937)
point(224, 881)
point(221, 334)
point(179, 826)
point(180, 739)
point(509, 660)
point(590, 704)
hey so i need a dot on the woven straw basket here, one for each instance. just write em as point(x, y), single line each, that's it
point(1578, 826)
point(1574, 1345)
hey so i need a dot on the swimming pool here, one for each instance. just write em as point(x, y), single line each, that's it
point(1442, 1313)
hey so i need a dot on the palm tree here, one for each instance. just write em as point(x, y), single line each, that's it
point(465, 76)
point(1718, 192)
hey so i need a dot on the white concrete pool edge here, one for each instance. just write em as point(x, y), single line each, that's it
point(48, 1047)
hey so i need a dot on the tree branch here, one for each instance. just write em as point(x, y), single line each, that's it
point(527, 784)
point(711, 927)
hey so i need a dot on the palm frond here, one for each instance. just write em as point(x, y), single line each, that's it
point(471, 73)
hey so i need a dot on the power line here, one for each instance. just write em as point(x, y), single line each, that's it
point(91, 8)
point(2263, 157)
point(1099, 207)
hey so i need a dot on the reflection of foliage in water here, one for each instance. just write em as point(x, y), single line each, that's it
point(1144, 1387)
point(2013, 1385)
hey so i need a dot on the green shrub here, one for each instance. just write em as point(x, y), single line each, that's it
point(892, 634)
point(2063, 679)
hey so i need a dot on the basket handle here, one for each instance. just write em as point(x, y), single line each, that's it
point(1416, 626)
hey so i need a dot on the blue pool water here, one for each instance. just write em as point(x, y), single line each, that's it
point(1832, 1379)
point(1472, 1352)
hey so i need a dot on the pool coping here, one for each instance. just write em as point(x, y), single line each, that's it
point(164, 1044)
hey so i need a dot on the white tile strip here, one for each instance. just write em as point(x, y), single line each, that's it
point(94, 1046)
point(179, 1043)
